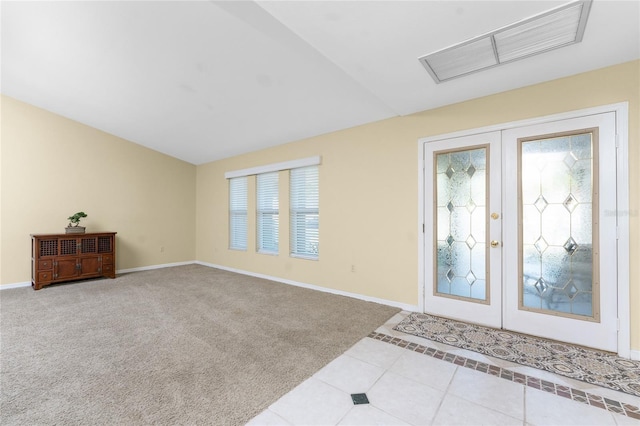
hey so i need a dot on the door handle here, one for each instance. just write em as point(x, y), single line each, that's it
point(495, 243)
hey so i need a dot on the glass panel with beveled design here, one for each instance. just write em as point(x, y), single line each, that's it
point(556, 261)
point(461, 221)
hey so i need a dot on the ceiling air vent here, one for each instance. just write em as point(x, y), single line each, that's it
point(550, 30)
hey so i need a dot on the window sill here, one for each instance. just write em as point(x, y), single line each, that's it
point(302, 256)
point(269, 253)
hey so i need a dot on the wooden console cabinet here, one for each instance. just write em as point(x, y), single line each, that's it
point(65, 257)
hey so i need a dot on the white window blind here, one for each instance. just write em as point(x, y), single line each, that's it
point(238, 213)
point(267, 212)
point(304, 214)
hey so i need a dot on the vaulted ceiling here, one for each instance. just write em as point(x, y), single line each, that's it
point(205, 80)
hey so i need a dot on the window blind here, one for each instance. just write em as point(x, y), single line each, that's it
point(304, 212)
point(238, 213)
point(267, 212)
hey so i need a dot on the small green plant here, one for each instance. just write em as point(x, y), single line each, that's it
point(75, 219)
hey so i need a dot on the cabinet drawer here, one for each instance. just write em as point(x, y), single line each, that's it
point(107, 258)
point(107, 269)
point(45, 276)
point(45, 264)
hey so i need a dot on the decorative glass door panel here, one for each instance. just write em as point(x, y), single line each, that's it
point(561, 266)
point(461, 212)
point(462, 191)
point(558, 234)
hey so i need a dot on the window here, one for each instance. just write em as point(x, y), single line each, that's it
point(267, 212)
point(238, 213)
point(304, 204)
point(304, 207)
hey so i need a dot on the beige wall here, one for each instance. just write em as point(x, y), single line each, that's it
point(52, 167)
point(369, 189)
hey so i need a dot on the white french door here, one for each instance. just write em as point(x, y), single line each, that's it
point(462, 191)
point(520, 229)
point(562, 190)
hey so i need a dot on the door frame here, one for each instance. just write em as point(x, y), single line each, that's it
point(621, 111)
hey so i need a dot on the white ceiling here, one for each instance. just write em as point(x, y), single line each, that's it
point(207, 80)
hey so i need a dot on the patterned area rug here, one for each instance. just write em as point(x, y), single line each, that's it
point(587, 365)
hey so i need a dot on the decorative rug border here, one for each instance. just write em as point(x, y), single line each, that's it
point(588, 365)
point(504, 373)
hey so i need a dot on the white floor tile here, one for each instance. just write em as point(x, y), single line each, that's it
point(313, 403)
point(542, 408)
point(622, 420)
point(367, 415)
point(268, 418)
point(405, 399)
point(406, 387)
point(457, 411)
point(489, 391)
point(424, 369)
point(376, 352)
point(349, 374)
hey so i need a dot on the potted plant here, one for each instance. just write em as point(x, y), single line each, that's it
point(74, 221)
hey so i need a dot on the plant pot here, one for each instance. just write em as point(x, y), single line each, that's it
point(74, 230)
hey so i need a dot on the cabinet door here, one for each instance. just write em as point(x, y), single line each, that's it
point(90, 266)
point(65, 269)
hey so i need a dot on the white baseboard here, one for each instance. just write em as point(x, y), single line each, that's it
point(633, 354)
point(119, 271)
point(160, 266)
point(15, 285)
point(403, 306)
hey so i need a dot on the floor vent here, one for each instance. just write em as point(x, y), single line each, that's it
point(359, 398)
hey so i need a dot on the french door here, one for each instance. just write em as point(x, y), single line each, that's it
point(520, 230)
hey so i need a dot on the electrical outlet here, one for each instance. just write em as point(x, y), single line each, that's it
point(353, 268)
point(161, 249)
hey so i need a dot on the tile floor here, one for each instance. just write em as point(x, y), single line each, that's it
point(405, 387)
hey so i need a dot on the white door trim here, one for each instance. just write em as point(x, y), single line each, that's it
point(622, 208)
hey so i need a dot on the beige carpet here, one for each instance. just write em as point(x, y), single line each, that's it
point(182, 345)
